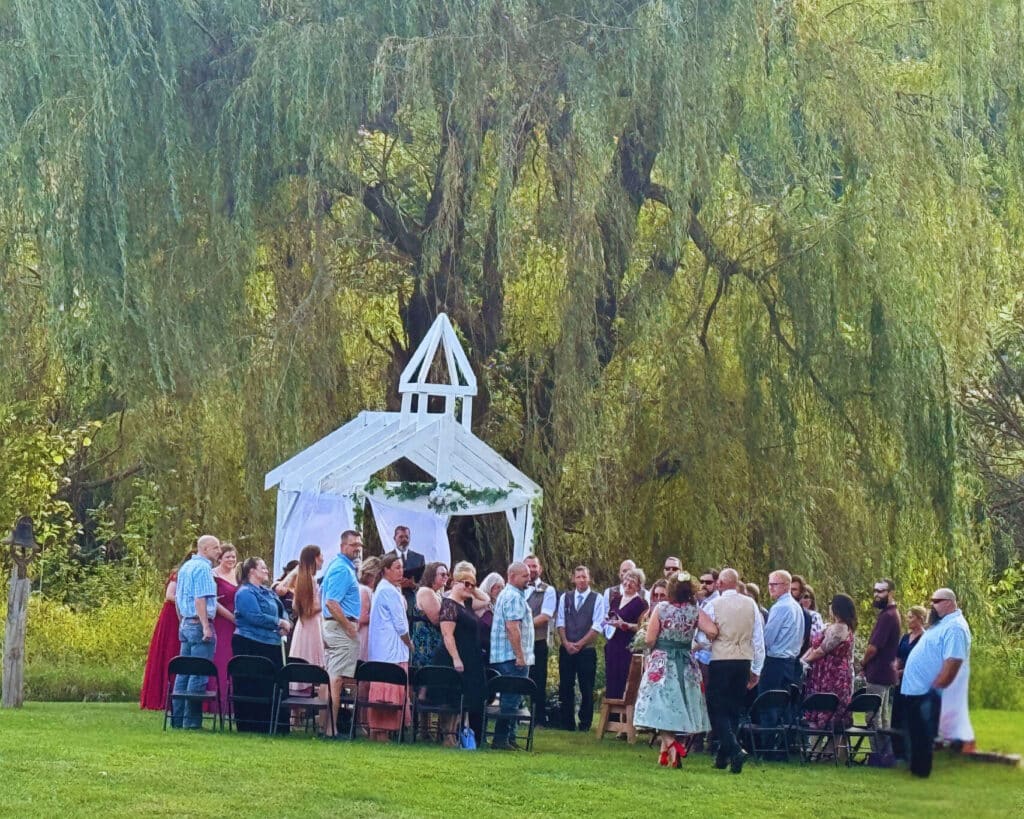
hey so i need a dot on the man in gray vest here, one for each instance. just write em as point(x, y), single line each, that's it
point(737, 656)
point(541, 599)
point(580, 619)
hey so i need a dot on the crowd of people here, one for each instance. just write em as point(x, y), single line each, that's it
point(708, 643)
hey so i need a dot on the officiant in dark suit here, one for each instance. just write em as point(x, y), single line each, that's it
point(413, 564)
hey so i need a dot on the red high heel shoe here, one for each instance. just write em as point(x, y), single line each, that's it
point(680, 753)
point(663, 759)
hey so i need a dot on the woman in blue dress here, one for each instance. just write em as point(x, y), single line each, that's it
point(670, 699)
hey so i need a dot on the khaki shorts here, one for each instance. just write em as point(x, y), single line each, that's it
point(340, 651)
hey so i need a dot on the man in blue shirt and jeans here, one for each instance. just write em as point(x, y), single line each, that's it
point(196, 600)
point(783, 636)
point(511, 647)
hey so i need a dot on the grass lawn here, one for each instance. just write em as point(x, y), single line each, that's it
point(67, 759)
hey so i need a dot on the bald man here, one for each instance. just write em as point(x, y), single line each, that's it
point(195, 597)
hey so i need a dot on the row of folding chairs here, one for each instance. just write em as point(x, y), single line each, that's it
point(829, 740)
point(435, 692)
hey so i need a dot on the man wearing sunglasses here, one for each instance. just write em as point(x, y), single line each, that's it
point(936, 677)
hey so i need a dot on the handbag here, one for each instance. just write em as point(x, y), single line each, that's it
point(468, 739)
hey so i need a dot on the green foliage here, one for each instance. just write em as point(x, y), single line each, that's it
point(724, 269)
point(997, 675)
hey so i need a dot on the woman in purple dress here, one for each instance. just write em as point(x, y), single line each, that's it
point(621, 624)
point(224, 622)
point(831, 663)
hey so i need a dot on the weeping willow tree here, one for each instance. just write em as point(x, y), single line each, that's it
point(721, 265)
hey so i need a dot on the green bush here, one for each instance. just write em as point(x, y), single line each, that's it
point(96, 655)
point(997, 675)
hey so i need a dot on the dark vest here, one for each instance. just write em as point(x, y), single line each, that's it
point(536, 599)
point(578, 623)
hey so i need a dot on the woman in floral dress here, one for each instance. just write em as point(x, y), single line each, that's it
point(670, 700)
point(830, 658)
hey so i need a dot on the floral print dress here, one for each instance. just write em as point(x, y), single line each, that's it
point(832, 674)
point(670, 698)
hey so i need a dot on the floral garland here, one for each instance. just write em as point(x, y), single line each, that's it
point(446, 497)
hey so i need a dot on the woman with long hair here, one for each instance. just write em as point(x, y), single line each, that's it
point(830, 658)
point(369, 576)
point(307, 643)
point(224, 622)
point(163, 647)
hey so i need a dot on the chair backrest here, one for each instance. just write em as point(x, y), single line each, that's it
point(636, 671)
point(491, 673)
point(437, 676)
point(504, 684)
point(382, 673)
point(822, 701)
point(867, 704)
point(769, 700)
point(796, 693)
point(304, 673)
point(858, 691)
point(249, 665)
point(192, 667)
point(294, 660)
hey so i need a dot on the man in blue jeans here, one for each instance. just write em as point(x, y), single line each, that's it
point(511, 648)
point(196, 600)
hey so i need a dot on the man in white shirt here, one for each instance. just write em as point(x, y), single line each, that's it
point(737, 657)
point(579, 620)
point(542, 600)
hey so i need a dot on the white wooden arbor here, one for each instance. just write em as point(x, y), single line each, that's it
point(330, 476)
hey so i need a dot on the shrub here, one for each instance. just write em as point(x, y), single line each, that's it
point(997, 675)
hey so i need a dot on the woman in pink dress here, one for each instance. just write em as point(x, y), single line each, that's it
point(830, 658)
point(162, 648)
point(224, 622)
point(307, 642)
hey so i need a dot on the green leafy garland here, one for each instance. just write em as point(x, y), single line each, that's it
point(449, 496)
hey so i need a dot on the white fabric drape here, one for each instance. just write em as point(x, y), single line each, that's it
point(305, 518)
point(428, 530)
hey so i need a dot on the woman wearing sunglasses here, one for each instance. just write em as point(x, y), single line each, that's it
point(462, 650)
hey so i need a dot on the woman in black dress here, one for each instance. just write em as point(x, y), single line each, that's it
point(461, 648)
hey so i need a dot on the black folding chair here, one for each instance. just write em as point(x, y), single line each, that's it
point(250, 669)
point(376, 672)
point(194, 667)
point(502, 686)
point(777, 736)
point(867, 707)
point(437, 690)
point(817, 744)
point(303, 673)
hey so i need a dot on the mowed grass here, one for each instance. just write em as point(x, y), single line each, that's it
point(64, 759)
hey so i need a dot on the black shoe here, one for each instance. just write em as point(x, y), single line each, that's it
point(736, 763)
point(721, 762)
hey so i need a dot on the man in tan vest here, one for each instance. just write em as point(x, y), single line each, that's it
point(737, 655)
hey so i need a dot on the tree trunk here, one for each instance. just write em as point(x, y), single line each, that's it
point(14, 640)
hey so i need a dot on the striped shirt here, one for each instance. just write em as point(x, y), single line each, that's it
point(195, 579)
point(511, 606)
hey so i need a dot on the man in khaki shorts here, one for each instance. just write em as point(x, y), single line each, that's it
point(341, 604)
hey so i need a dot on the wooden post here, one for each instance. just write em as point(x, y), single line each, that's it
point(14, 639)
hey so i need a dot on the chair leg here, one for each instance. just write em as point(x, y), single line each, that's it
point(630, 727)
point(602, 720)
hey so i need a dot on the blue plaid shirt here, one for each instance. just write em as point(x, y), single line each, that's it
point(195, 579)
point(511, 605)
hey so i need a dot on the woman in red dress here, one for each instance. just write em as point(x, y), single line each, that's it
point(224, 622)
point(162, 648)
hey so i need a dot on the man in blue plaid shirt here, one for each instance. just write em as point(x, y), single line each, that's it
point(511, 647)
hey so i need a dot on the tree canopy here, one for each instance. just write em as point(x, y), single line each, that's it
point(725, 269)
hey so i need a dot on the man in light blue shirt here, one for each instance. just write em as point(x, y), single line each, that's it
point(938, 659)
point(783, 636)
point(195, 597)
point(511, 647)
point(341, 607)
